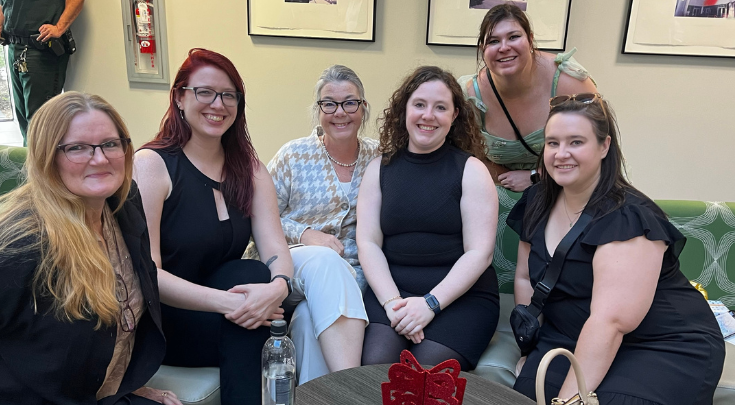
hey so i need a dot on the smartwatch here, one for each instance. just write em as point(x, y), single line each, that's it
point(288, 282)
point(433, 303)
point(535, 177)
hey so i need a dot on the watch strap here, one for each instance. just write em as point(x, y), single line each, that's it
point(433, 303)
point(287, 279)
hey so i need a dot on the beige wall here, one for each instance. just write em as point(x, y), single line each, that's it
point(675, 113)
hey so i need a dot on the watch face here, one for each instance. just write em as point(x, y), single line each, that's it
point(432, 301)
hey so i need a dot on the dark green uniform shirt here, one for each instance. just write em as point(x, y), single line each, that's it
point(24, 17)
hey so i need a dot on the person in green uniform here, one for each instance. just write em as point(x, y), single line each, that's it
point(37, 74)
point(524, 79)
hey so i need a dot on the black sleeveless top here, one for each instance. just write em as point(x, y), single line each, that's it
point(421, 217)
point(421, 220)
point(194, 242)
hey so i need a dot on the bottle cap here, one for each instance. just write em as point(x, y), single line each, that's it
point(279, 328)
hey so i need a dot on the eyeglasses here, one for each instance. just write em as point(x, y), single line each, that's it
point(127, 316)
point(585, 98)
point(83, 152)
point(330, 107)
point(207, 96)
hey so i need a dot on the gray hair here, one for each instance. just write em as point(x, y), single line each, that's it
point(339, 73)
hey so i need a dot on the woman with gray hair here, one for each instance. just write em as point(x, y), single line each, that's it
point(317, 179)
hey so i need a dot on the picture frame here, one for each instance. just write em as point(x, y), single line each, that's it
point(348, 20)
point(455, 23)
point(680, 28)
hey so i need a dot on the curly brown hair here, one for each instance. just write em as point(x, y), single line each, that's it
point(464, 133)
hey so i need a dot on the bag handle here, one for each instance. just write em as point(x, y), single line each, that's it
point(587, 399)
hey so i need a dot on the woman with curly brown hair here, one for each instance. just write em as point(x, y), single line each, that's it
point(427, 213)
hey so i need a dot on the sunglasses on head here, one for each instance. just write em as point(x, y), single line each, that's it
point(585, 98)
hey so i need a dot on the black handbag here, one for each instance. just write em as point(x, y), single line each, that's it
point(524, 318)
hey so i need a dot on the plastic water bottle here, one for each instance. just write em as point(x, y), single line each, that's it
point(279, 367)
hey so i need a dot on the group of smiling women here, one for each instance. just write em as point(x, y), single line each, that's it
point(114, 262)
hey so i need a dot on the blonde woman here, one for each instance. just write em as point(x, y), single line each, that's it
point(317, 179)
point(80, 320)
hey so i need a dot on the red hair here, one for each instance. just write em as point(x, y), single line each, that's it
point(241, 159)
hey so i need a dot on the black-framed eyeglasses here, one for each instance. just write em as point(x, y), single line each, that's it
point(127, 316)
point(207, 96)
point(83, 152)
point(585, 98)
point(348, 106)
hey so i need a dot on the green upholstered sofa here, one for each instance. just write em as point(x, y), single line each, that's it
point(708, 258)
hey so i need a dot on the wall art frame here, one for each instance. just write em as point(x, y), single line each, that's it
point(455, 23)
point(348, 20)
point(680, 28)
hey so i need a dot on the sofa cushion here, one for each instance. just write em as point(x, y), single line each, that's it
point(11, 167)
point(725, 392)
point(498, 361)
point(709, 255)
point(198, 386)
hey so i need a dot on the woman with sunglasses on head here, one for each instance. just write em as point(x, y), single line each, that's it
point(317, 179)
point(205, 193)
point(427, 215)
point(80, 320)
point(641, 332)
point(510, 93)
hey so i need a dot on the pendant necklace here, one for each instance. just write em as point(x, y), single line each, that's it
point(338, 162)
point(571, 222)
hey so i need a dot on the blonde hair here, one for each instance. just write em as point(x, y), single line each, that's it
point(42, 214)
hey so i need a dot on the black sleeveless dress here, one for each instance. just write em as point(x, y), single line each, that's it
point(198, 247)
point(422, 239)
point(676, 354)
point(194, 242)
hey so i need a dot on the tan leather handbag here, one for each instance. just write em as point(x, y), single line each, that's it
point(579, 399)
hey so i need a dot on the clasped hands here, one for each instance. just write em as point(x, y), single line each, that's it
point(253, 305)
point(409, 317)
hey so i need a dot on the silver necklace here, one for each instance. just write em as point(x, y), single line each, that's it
point(571, 223)
point(338, 162)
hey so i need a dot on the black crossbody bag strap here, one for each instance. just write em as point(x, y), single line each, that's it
point(544, 287)
point(507, 114)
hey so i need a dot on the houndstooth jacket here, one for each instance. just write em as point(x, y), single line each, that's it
point(309, 193)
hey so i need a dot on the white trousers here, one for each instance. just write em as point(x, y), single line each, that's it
point(324, 289)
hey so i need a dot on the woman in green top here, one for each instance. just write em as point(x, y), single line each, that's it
point(524, 79)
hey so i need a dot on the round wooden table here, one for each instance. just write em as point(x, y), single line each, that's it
point(361, 386)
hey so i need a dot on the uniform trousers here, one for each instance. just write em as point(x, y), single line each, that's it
point(43, 80)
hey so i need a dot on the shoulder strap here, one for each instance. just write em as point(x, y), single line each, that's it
point(507, 114)
point(478, 96)
point(544, 287)
point(555, 82)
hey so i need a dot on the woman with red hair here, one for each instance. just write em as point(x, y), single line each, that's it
point(204, 194)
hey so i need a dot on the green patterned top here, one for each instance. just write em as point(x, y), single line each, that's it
point(512, 153)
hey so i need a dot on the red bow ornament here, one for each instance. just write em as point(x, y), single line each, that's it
point(410, 384)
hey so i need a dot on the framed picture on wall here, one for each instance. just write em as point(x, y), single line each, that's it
point(681, 27)
point(457, 22)
point(352, 20)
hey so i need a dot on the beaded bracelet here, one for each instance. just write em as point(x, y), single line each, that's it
point(397, 297)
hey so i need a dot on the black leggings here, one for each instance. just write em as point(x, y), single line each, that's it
point(383, 345)
point(207, 339)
